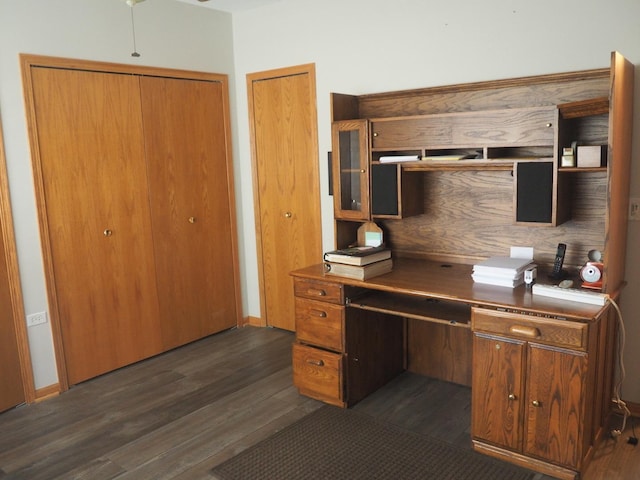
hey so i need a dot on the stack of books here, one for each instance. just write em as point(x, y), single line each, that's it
point(360, 263)
point(502, 271)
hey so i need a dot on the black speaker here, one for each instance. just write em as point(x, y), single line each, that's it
point(534, 196)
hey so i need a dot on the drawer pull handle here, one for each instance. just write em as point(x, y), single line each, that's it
point(317, 291)
point(512, 396)
point(317, 363)
point(525, 331)
point(536, 403)
point(319, 313)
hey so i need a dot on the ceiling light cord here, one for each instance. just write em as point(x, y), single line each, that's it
point(133, 32)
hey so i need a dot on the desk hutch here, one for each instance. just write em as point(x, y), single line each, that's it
point(541, 370)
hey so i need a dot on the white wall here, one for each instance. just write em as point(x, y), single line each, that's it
point(368, 46)
point(169, 34)
point(358, 46)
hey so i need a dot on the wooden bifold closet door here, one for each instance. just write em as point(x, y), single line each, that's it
point(188, 189)
point(137, 209)
point(91, 149)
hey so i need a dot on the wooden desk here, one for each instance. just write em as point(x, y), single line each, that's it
point(540, 373)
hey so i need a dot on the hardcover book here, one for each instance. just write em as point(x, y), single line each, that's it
point(359, 272)
point(358, 255)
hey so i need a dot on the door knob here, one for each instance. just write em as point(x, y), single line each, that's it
point(107, 233)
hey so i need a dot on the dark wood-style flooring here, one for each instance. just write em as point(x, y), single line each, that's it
point(177, 415)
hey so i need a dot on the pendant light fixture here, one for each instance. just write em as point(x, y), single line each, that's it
point(131, 4)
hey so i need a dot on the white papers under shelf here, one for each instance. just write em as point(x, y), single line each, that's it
point(399, 158)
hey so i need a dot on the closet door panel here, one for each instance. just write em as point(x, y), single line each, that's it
point(94, 187)
point(186, 148)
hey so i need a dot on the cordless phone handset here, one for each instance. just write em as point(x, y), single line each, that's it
point(557, 272)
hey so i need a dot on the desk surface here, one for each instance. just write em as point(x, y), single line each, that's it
point(453, 282)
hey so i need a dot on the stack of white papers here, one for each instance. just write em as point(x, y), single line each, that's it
point(502, 271)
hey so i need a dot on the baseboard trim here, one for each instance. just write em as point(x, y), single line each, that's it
point(253, 321)
point(47, 392)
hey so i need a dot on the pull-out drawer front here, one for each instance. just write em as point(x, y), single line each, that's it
point(499, 128)
point(317, 290)
point(318, 373)
point(320, 323)
point(551, 331)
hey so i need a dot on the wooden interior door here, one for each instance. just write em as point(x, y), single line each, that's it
point(11, 382)
point(283, 122)
point(95, 220)
point(16, 378)
point(191, 197)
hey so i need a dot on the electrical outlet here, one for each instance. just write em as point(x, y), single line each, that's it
point(36, 319)
point(634, 209)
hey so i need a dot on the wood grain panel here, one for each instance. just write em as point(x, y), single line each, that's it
point(286, 183)
point(320, 324)
point(620, 134)
point(318, 373)
point(498, 128)
point(497, 391)
point(469, 214)
point(15, 361)
point(439, 351)
point(540, 329)
point(11, 387)
point(92, 172)
point(190, 178)
point(541, 90)
point(556, 380)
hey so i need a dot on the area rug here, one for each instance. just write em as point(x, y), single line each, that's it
point(337, 444)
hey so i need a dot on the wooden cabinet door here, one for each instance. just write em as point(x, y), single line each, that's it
point(497, 390)
point(555, 412)
point(95, 212)
point(191, 197)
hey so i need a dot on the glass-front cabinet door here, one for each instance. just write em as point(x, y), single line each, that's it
point(350, 143)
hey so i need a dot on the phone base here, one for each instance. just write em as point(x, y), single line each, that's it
point(561, 275)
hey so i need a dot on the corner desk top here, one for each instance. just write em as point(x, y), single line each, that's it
point(453, 282)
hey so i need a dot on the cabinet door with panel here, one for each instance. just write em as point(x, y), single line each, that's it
point(497, 390)
point(555, 410)
point(529, 388)
point(191, 205)
point(350, 139)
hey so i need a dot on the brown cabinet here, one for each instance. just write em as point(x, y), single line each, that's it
point(508, 128)
point(489, 169)
point(341, 357)
point(365, 188)
point(529, 389)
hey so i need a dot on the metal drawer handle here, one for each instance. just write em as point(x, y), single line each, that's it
point(317, 363)
point(319, 313)
point(536, 403)
point(317, 291)
point(525, 331)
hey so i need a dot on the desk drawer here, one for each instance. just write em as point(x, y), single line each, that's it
point(317, 290)
point(318, 374)
point(545, 330)
point(320, 323)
